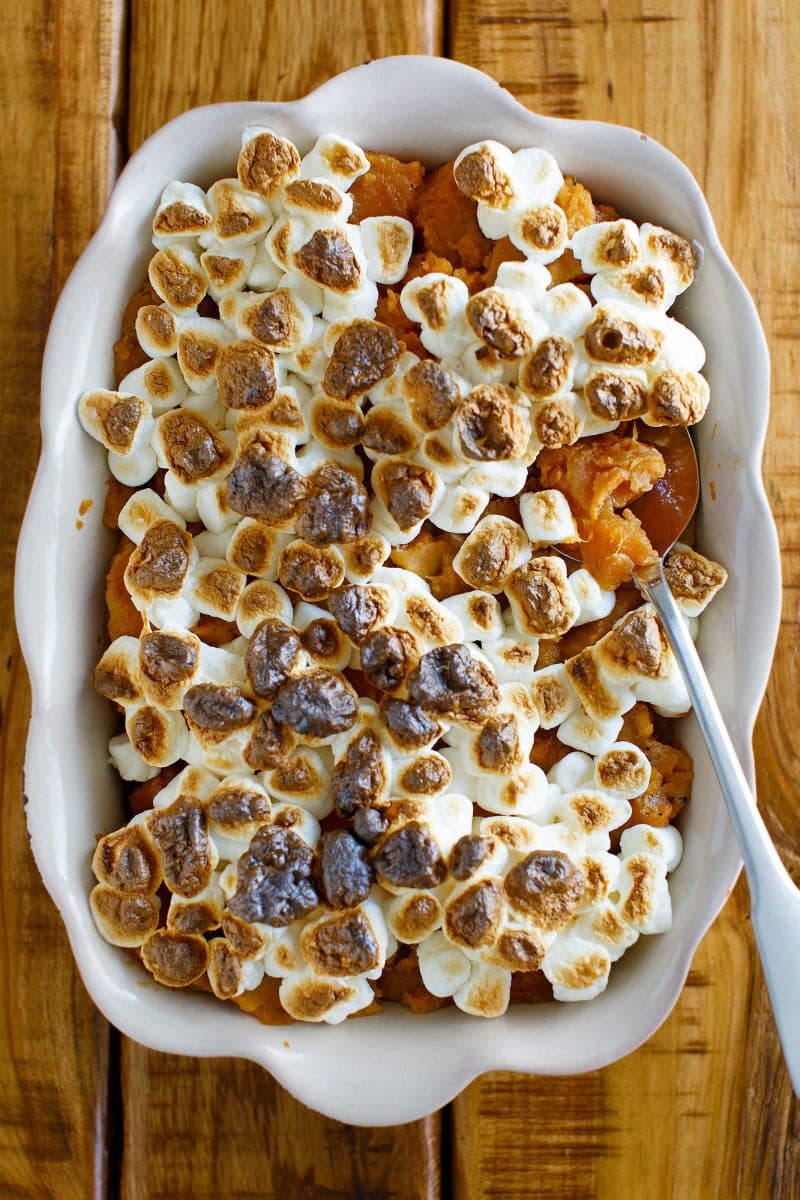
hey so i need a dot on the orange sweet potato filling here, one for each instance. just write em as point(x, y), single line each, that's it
point(599, 475)
point(389, 189)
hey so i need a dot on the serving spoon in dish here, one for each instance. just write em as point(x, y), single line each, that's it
point(665, 513)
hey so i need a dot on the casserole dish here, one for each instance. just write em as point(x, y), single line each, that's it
point(397, 1066)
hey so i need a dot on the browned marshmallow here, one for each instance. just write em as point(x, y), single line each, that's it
point(279, 319)
point(547, 371)
point(316, 704)
point(540, 598)
point(359, 779)
point(487, 558)
point(265, 486)
point(364, 353)
point(555, 422)
point(336, 424)
point(481, 174)
point(115, 676)
point(328, 259)
point(613, 396)
point(312, 572)
point(693, 579)
point(124, 920)
point(193, 450)
point(114, 419)
point(497, 318)
point(407, 490)
point(336, 507)
point(177, 279)
point(388, 656)
point(409, 857)
point(611, 338)
point(325, 644)
point(180, 834)
point(386, 431)
point(341, 945)
point(586, 676)
point(274, 879)
point(217, 708)
point(238, 217)
point(246, 375)
point(225, 272)
point(543, 228)
point(168, 662)
point(237, 809)
point(467, 855)
point(270, 744)
point(314, 197)
point(425, 775)
point(636, 646)
point(431, 394)
point(547, 887)
point(156, 330)
point(126, 861)
point(491, 426)
point(160, 562)
point(452, 682)
point(225, 970)
point(472, 917)
point(273, 654)
point(267, 163)
point(408, 725)
point(677, 399)
point(358, 610)
point(254, 548)
point(175, 959)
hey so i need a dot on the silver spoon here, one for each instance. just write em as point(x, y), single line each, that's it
point(775, 899)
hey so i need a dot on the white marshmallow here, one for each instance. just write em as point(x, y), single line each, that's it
point(664, 843)
point(388, 242)
point(577, 969)
point(439, 303)
point(336, 159)
point(547, 517)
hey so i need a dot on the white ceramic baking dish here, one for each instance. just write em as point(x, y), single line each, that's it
point(396, 1066)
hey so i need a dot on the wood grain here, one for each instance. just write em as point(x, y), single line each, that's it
point(705, 1108)
point(174, 1108)
point(269, 50)
point(53, 1068)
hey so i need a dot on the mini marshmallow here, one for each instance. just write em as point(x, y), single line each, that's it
point(578, 969)
point(478, 613)
point(227, 269)
point(513, 656)
point(671, 254)
point(158, 381)
point(304, 780)
point(267, 162)
point(504, 321)
point(460, 509)
point(593, 601)
point(157, 735)
point(664, 843)
point(677, 398)
point(547, 518)
point(495, 549)
point(364, 557)
point(540, 232)
point(624, 769)
point(264, 272)
point(143, 510)
point(644, 900)
point(278, 319)
point(317, 202)
point(259, 600)
point(388, 242)
point(121, 422)
point(213, 508)
point(607, 246)
point(574, 770)
point(590, 734)
point(681, 351)
point(486, 993)
point(240, 217)
point(215, 588)
point(255, 548)
point(156, 330)
point(177, 278)
point(336, 159)
point(592, 812)
point(693, 579)
point(439, 303)
point(553, 695)
point(308, 996)
point(443, 967)
point(182, 215)
point(413, 917)
point(529, 278)
point(540, 597)
point(200, 341)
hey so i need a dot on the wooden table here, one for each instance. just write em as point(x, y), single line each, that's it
point(705, 1108)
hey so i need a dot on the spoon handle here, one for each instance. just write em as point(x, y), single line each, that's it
point(775, 899)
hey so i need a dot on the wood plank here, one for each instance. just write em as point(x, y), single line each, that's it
point(179, 1112)
point(58, 67)
point(705, 1108)
point(248, 50)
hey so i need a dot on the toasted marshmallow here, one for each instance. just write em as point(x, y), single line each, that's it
point(255, 548)
point(644, 900)
point(388, 242)
point(123, 920)
point(143, 510)
point(559, 421)
point(504, 321)
point(123, 424)
point(267, 162)
point(594, 601)
point(156, 573)
point(672, 255)
point(547, 518)
point(308, 996)
point(495, 549)
point(513, 656)
point(362, 354)
point(478, 613)
point(553, 695)
point(215, 588)
point(593, 813)
point(624, 769)
point(601, 696)
point(529, 278)
point(261, 600)
point(540, 597)
point(636, 653)
point(190, 448)
point(413, 853)
point(169, 662)
point(336, 159)
point(460, 509)
point(549, 368)
point(213, 508)
point(364, 557)
point(156, 330)
point(643, 286)
point(439, 303)
point(157, 735)
point(677, 399)
point(664, 843)
point(332, 258)
point(178, 279)
point(413, 917)
point(182, 215)
point(485, 173)
point(607, 246)
point(227, 269)
point(240, 218)
point(200, 342)
point(443, 967)
point(278, 319)
point(159, 381)
point(304, 780)
point(405, 495)
point(619, 334)
point(681, 351)
point(615, 393)
point(117, 675)
point(693, 579)
point(577, 968)
point(540, 232)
